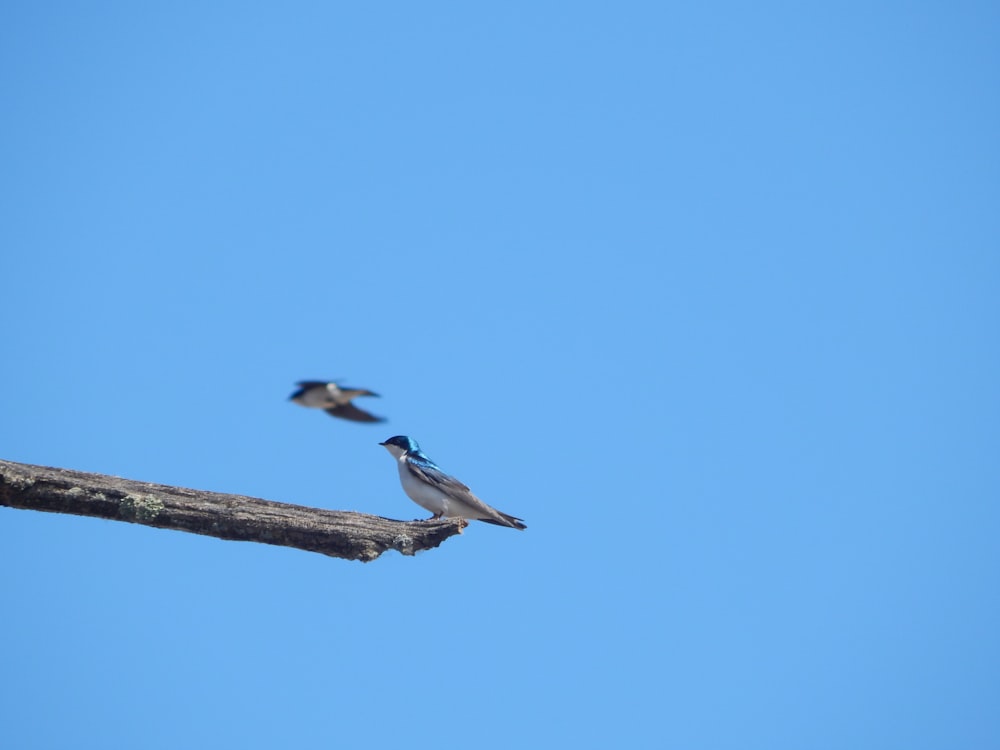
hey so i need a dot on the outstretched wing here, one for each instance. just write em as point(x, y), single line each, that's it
point(353, 413)
point(307, 384)
point(354, 392)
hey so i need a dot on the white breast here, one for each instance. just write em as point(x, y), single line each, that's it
point(420, 492)
point(316, 398)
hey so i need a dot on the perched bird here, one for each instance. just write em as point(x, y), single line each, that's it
point(333, 399)
point(442, 495)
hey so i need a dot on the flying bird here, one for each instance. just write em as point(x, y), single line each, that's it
point(430, 488)
point(335, 400)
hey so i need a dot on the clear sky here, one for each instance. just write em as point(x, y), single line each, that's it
point(707, 293)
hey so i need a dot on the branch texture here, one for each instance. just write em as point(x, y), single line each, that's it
point(352, 536)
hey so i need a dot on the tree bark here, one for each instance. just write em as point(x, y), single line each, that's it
point(345, 534)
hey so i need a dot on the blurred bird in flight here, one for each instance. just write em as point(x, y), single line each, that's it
point(334, 399)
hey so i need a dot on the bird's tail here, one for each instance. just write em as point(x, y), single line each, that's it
point(512, 522)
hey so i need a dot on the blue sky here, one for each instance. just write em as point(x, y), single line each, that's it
point(705, 293)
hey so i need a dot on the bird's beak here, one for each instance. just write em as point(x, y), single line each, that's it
point(382, 443)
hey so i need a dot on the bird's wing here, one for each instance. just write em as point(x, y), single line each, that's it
point(306, 384)
point(511, 521)
point(353, 413)
point(353, 392)
point(428, 472)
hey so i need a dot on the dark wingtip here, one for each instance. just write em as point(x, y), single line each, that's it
point(512, 522)
point(515, 522)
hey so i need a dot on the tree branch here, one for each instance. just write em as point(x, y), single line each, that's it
point(352, 536)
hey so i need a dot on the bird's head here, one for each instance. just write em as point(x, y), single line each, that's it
point(400, 445)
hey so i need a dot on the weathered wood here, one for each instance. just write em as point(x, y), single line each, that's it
point(345, 534)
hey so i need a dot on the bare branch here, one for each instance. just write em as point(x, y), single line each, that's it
point(352, 536)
